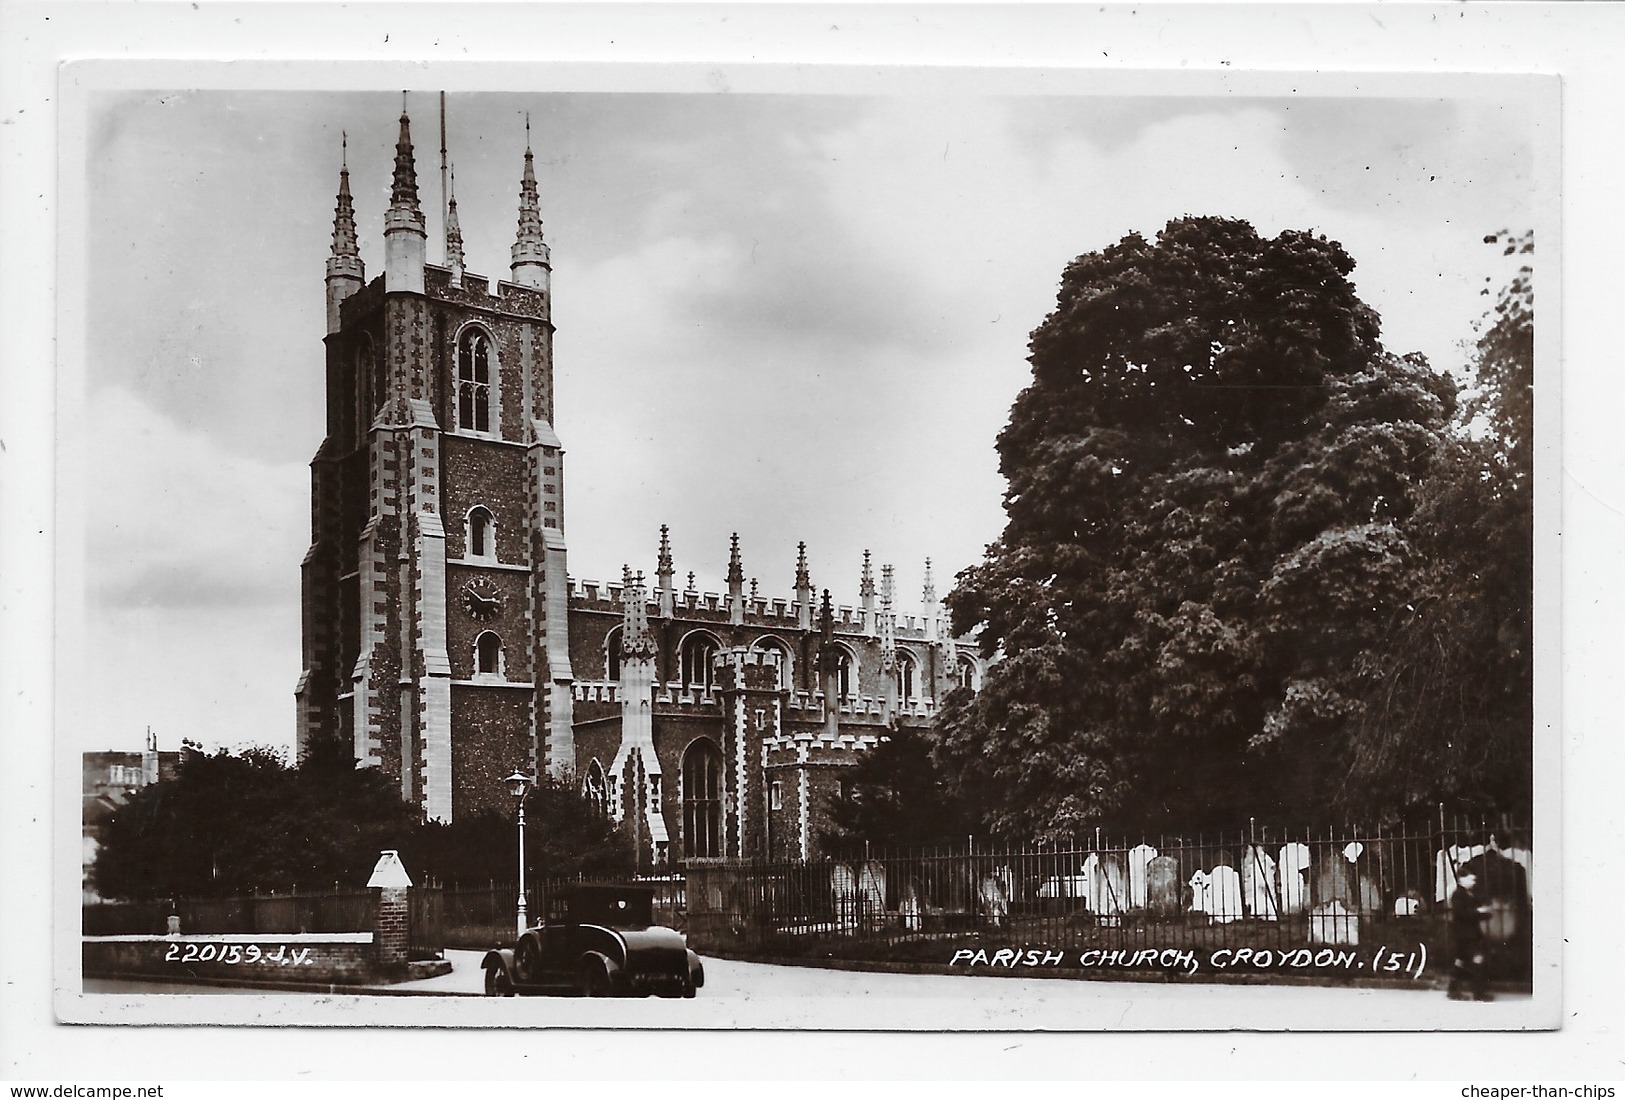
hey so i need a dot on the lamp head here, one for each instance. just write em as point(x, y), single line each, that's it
point(518, 783)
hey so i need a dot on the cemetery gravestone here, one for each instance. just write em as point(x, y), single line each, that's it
point(1291, 864)
point(1224, 895)
point(1139, 858)
point(843, 889)
point(1162, 887)
point(1258, 882)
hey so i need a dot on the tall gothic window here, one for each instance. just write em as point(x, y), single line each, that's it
point(695, 660)
point(702, 800)
point(967, 673)
point(595, 788)
point(612, 655)
point(908, 686)
point(843, 672)
point(474, 381)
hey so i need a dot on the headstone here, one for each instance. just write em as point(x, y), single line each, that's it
point(1291, 866)
point(1087, 874)
point(1200, 887)
point(1224, 895)
point(1139, 857)
point(1258, 883)
point(1162, 887)
point(1447, 863)
point(1407, 904)
point(1331, 923)
point(172, 925)
point(1107, 894)
point(909, 907)
point(995, 900)
point(1330, 879)
point(872, 891)
point(843, 890)
point(1370, 893)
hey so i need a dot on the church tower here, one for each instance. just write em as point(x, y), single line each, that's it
point(434, 592)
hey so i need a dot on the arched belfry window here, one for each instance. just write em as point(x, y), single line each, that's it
point(488, 655)
point(482, 534)
point(474, 369)
point(702, 800)
point(595, 788)
point(968, 677)
point(612, 655)
point(695, 660)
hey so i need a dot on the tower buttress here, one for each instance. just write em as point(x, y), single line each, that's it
point(888, 646)
point(531, 265)
point(829, 667)
point(404, 232)
point(345, 272)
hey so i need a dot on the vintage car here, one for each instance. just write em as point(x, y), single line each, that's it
point(597, 941)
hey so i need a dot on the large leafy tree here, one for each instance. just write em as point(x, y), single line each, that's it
point(1214, 477)
point(1453, 721)
point(230, 823)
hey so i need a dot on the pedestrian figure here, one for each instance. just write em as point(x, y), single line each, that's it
point(1467, 912)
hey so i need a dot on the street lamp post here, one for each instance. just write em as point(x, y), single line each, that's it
point(519, 783)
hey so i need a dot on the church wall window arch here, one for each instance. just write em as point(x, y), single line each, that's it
point(612, 655)
point(846, 671)
point(695, 664)
point(481, 526)
point(595, 788)
point(908, 676)
point(970, 676)
point(770, 644)
point(488, 656)
point(476, 385)
point(702, 800)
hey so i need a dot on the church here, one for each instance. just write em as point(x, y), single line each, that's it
point(444, 639)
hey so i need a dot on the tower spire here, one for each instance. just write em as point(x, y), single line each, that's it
point(531, 261)
point(736, 582)
point(345, 272)
point(663, 573)
point(454, 232)
point(404, 233)
point(804, 589)
point(866, 593)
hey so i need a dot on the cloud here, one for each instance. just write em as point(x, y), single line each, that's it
point(175, 519)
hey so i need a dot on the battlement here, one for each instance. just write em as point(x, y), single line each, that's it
point(713, 606)
point(478, 291)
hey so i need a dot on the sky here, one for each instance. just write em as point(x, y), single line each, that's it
point(794, 317)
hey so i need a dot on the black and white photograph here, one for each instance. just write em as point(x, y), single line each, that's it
point(920, 538)
point(808, 548)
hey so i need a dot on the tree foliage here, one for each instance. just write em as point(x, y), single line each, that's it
point(232, 823)
point(897, 799)
point(1225, 504)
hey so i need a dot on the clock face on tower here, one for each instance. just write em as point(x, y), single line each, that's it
point(482, 600)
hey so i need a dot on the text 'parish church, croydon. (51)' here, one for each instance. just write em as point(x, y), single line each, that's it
point(444, 639)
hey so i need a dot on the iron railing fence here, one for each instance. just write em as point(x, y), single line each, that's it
point(1255, 899)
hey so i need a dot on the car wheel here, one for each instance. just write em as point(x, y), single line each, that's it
point(498, 983)
point(688, 990)
point(595, 980)
point(527, 960)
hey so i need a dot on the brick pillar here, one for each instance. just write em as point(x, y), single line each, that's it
point(389, 933)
